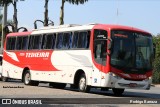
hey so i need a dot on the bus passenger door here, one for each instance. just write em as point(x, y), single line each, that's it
point(99, 56)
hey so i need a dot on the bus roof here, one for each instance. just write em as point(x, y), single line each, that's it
point(75, 27)
point(63, 28)
point(19, 33)
point(112, 26)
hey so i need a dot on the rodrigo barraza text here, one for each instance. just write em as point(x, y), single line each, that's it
point(143, 102)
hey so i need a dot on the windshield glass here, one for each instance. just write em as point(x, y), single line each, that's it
point(131, 50)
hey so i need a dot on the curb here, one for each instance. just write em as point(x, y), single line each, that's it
point(155, 85)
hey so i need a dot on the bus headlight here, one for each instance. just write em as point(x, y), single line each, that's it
point(114, 75)
point(148, 79)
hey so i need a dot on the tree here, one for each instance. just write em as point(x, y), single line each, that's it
point(14, 25)
point(156, 73)
point(156, 40)
point(14, 3)
point(15, 21)
point(2, 2)
point(46, 18)
point(8, 22)
point(46, 13)
point(77, 2)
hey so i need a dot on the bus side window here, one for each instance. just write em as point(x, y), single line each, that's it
point(67, 40)
point(70, 39)
point(19, 43)
point(31, 42)
point(82, 41)
point(11, 43)
point(48, 41)
point(53, 41)
point(75, 40)
point(8, 43)
point(44, 41)
point(25, 43)
point(37, 42)
point(59, 43)
point(88, 38)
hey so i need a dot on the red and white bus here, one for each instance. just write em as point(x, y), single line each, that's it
point(95, 55)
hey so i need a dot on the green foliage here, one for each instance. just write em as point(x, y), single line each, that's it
point(156, 71)
point(157, 42)
point(77, 2)
point(2, 2)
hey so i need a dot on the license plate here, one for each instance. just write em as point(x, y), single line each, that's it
point(132, 84)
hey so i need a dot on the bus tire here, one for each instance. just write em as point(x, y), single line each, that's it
point(27, 79)
point(4, 79)
point(82, 85)
point(57, 85)
point(117, 91)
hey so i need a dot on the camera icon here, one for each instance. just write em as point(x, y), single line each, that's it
point(6, 101)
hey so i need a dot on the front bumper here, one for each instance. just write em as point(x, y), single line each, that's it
point(115, 81)
point(122, 83)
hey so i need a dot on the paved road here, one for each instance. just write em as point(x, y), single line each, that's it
point(10, 90)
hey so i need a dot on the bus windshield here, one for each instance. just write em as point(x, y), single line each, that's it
point(132, 52)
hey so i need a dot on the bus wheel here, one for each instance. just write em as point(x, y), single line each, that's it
point(82, 86)
point(4, 79)
point(57, 85)
point(27, 78)
point(117, 91)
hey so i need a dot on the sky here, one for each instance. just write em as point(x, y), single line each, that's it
point(143, 14)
